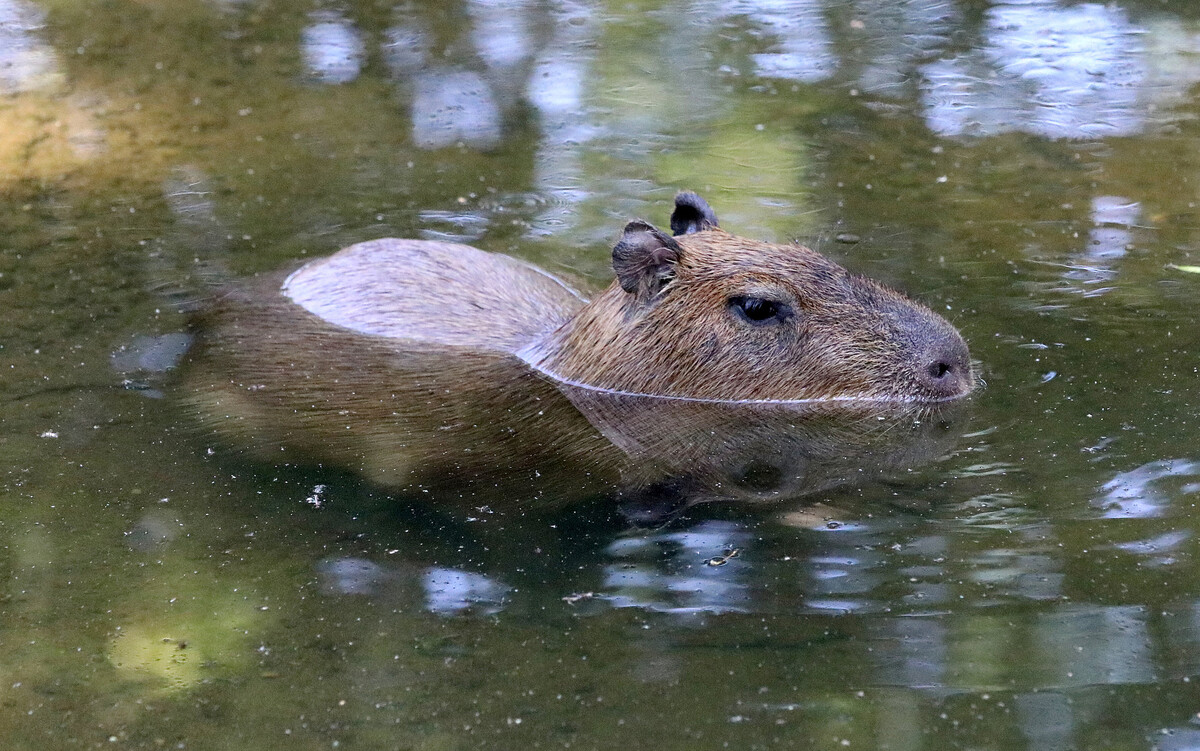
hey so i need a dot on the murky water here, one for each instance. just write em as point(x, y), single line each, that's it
point(1029, 169)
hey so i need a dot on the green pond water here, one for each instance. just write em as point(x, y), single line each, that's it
point(1030, 170)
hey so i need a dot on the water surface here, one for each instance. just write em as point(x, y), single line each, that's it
point(1028, 169)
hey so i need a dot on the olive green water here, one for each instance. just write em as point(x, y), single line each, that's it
point(1030, 170)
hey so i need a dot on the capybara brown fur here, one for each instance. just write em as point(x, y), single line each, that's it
point(704, 315)
point(710, 315)
point(409, 359)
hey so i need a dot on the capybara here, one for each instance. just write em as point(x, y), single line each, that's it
point(409, 360)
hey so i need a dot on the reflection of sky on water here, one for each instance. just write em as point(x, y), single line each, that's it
point(842, 580)
point(441, 590)
point(1057, 649)
point(1178, 739)
point(405, 49)
point(880, 580)
point(1057, 71)
point(898, 37)
point(852, 569)
point(1112, 217)
point(556, 89)
point(669, 572)
point(1090, 265)
point(1060, 71)
point(800, 47)
point(1078, 71)
point(1138, 493)
point(1159, 550)
point(351, 576)
point(449, 591)
point(333, 48)
point(1090, 270)
point(500, 29)
point(142, 361)
point(1054, 70)
point(1040, 663)
point(452, 105)
point(684, 582)
point(26, 62)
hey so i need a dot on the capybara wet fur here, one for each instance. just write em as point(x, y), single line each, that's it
point(704, 314)
point(403, 358)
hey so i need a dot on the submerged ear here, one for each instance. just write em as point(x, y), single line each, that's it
point(644, 259)
point(692, 214)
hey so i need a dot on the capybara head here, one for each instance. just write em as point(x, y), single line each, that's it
point(708, 315)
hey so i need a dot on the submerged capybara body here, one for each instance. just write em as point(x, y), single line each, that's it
point(406, 413)
point(412, 360)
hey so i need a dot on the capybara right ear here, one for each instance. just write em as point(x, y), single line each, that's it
point(644, 259)
point(692, 214)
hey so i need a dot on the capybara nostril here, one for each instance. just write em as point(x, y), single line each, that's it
point(947, 374)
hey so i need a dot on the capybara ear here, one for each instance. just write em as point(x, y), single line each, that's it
point(644, 259)
point(692, 214)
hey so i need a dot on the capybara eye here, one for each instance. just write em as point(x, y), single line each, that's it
point(759, 309)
